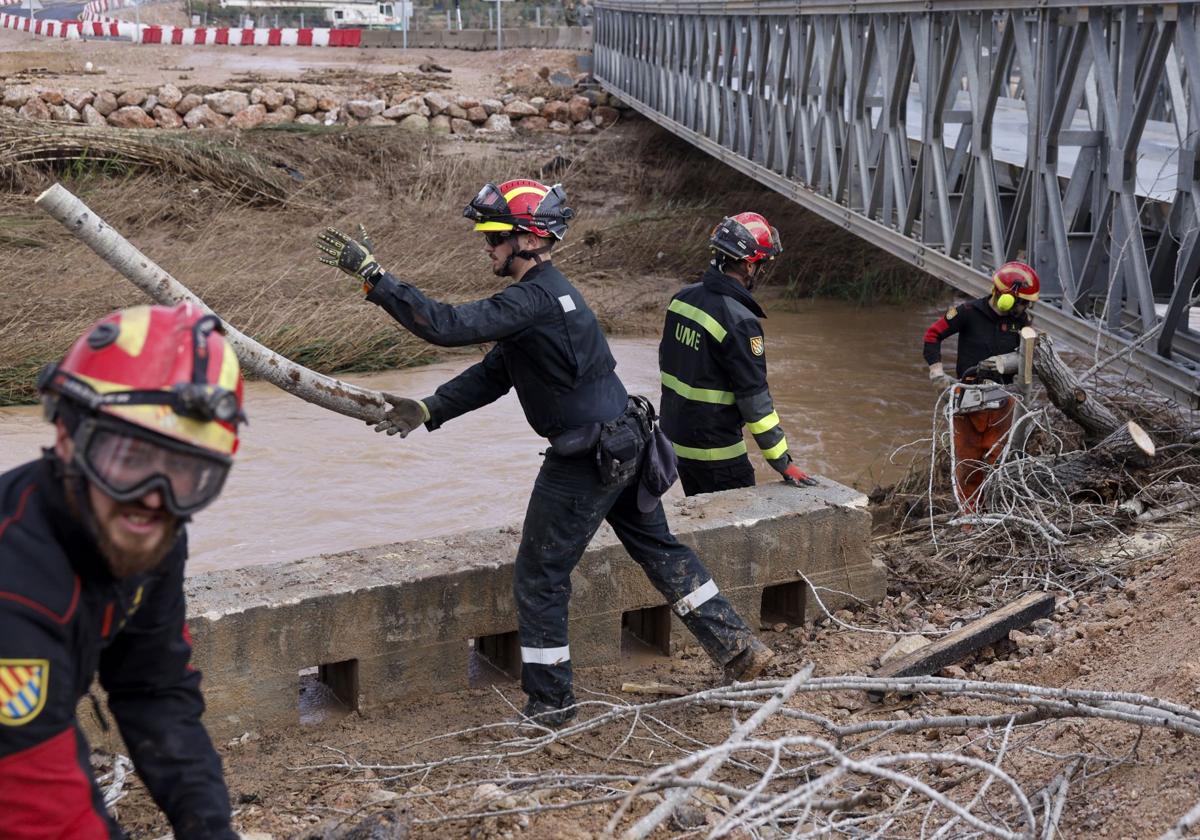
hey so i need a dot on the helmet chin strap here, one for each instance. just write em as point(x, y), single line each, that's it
point(535, 255)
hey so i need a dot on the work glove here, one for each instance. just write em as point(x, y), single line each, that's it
point(354, 258)
point(938, 376)
point(403, 415)
point(1003, 364)
point(793, 475)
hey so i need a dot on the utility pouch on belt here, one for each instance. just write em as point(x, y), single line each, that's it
point(575, 442)
point(620, 449)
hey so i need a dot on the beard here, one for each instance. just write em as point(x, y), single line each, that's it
point(122, 561)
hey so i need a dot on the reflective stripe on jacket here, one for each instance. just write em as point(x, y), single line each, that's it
point(713, 365)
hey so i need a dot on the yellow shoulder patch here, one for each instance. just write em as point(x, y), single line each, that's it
point(757, 345)
point(951, 312)
point(23, 684)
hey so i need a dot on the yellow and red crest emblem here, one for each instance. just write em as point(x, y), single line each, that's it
point(23, 685)
point(757, 345)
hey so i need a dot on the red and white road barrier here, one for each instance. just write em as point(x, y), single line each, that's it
point(186, 36)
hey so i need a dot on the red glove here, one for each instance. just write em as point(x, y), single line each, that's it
point(796, 477)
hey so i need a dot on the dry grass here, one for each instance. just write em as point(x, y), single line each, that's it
point(645, 203)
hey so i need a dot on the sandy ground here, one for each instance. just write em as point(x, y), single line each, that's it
point(1141, 637)
point(118, 66)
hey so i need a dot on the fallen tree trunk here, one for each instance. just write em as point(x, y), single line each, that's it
point(1069, 396)
point(118, 252)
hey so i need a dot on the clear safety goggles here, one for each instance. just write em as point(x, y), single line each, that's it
point(488, 204)
point(126, 464)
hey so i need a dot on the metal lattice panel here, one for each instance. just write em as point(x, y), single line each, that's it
point(959, 136)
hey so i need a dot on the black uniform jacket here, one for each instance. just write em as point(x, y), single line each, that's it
point(549, 346)
point(982, 333)
point(63, 617)
point(713, 363)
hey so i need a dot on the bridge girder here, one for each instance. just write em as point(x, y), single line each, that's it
point(957, 136)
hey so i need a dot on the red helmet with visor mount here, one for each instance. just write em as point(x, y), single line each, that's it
point(746, 237)
point(1015, 281)
point(152, 396)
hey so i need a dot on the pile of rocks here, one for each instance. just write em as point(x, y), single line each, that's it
point(576, 112)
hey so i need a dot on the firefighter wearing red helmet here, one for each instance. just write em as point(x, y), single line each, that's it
point(549, 347)
point(989, 333)
point(714, 366)
point(145, 407)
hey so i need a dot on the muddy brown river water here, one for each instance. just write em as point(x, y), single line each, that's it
point(848, 382)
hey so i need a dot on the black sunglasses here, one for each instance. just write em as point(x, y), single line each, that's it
point(496, 238)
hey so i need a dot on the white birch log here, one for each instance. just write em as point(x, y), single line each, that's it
point(118, 252)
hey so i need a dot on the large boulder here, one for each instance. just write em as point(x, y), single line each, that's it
point(458, 126)
point(556, 110)
point(284, 114)
point(326, 104)
point(17, 95)
point(307, 119)
point(8, 113)
point(105, 102)
point(249, 117)
point(274, 99)
point(436, 102)
point(498, 124)
point(168, 96)
point(35, 108)
point(362, 109)
point(519, 108)
point(604, 116)
point(466, 102)
point(492, 106)
point(456, 113)
point(202, 116)
point(93, 118)
point(78, 99)
point(130, 116)
point(377, 119)
point(407, 107)
point(534, 123)
point(167, 117)
point(150, 104)
point(440, 124)
point(306, 103)
point(64, 113)
point(559, 127)
point(414, 122)
point(477, 114)
point(584, 127)
point(53, 97)
point(578, 109)
point(134, 96)
point(227, 102)
point(188, 102)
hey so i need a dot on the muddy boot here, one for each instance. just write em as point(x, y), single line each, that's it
point(748, 664)
point(547, 715)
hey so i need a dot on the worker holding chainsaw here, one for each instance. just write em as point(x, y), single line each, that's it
point(549, 347)
point(989, 335)
point(145, 408)
point(714, 366)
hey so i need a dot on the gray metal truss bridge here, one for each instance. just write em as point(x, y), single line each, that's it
point(959, 134)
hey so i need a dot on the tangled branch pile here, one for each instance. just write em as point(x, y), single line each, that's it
point(218, 164)
point(782, 770)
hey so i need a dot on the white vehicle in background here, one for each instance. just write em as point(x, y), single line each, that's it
point(340, 14)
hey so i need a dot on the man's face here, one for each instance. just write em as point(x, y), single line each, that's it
point(132, 536)
point(499, 248)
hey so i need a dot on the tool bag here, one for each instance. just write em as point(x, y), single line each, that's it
point(622, 442)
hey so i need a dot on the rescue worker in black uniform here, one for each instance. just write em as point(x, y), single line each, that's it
point(92, 552)
point(989, 334)
point(713, 364)
point(550, 348)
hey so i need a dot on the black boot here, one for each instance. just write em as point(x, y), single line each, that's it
point(547, 715)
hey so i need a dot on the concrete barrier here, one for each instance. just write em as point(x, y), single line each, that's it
point(398, 620)
point(546, 37)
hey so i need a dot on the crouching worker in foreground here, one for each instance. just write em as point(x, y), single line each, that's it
point(549, 346)
point(145, 408)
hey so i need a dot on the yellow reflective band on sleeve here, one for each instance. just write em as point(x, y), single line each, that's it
point(723, 453)
point(699, 316)
point(765, 424)
point(704, 395)
point(775, 451)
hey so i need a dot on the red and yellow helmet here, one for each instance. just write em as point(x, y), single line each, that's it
point(746, 236)
point(521, 204)
point(165, 369)
point(1014, 281)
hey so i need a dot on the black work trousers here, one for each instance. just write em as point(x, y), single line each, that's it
point(566, 508)
point(714, 476)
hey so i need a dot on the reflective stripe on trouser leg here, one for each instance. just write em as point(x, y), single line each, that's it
point(695, 598)
point(546, 656)
point(678, 574)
